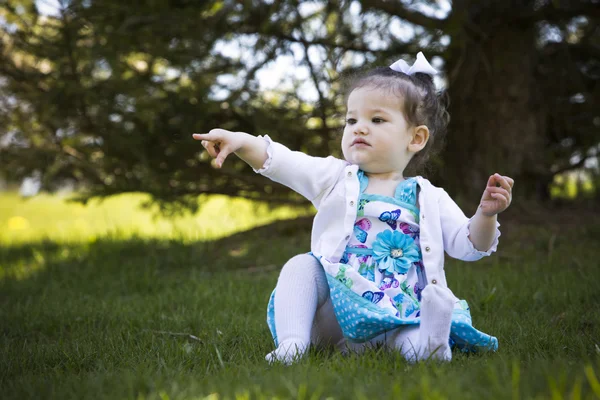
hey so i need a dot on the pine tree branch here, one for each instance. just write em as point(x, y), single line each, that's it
point(275, 32)
point(582, 50)
point(398, 9)
point(553, 14)
point(410, 48)
point(323, 101)
point(571, 167)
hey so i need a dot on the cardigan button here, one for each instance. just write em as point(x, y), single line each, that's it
point(434, 281)
point(349, 174)
point(352, 203)
point(348, 237)
point(428, 249)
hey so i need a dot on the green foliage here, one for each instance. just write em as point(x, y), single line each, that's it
point(109, 98)
point(107, 93)
point(573, 185)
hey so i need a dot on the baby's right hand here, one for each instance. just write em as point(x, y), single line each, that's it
point(220, 143)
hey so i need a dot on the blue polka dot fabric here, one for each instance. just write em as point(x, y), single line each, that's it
point(358, 327)
point(359, 318)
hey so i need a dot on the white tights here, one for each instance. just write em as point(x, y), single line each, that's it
point(304, 316)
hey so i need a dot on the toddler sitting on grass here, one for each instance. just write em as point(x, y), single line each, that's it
point(375, 273)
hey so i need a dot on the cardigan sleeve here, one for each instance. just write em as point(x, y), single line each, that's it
point(455, 232)
point(309, 176)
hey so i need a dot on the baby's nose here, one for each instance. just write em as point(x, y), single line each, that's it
point(361, 129)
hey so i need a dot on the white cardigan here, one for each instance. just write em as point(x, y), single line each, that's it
point(333, 188)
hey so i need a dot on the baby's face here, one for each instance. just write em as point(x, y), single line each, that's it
point(375, 117)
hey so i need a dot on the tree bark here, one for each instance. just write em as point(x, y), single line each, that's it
point(497, 122)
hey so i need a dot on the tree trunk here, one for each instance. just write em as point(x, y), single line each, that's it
point(497, 120)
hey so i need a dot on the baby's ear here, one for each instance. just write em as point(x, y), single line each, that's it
point(420, 136)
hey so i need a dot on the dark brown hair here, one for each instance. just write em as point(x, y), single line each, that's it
point(423, 105)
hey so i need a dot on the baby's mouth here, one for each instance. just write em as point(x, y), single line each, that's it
point(360, 142)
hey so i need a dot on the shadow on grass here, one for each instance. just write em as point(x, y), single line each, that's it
point(145, 264)
point(111, 303)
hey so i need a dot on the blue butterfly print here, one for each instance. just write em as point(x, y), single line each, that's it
point(360, 235)
point(390, 218)
point(398, 299)
point(360, 229)
point(373, 297)
point(418, 289)
point(367, 271)
point(410, 308)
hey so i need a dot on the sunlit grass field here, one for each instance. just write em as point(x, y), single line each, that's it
point(104, 301)
point(55, 217)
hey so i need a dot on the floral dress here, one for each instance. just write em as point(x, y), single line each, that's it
point(376, 286)
point(385, 251)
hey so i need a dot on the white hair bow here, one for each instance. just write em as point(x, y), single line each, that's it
point(420, 65)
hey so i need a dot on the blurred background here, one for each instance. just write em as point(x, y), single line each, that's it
point(103, 96)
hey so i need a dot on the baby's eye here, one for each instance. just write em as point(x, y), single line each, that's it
point(350, 121)
point(378, 120)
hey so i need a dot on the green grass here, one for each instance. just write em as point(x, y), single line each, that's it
point(181, 314)
point(56, 218)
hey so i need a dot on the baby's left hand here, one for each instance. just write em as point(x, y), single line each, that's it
point(496, 198)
